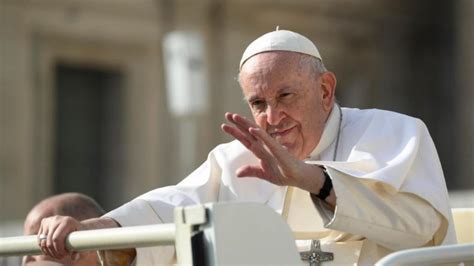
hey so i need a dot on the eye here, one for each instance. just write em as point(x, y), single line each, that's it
point(258, 105)
point(286, 95)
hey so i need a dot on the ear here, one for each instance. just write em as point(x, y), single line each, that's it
point(328, 89)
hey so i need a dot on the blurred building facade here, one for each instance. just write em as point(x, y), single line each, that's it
point(83, 98)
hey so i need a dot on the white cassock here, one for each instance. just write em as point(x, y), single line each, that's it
point(391, 193)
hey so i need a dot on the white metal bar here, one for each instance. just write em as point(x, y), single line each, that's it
point(430, 255)
point(100, 239)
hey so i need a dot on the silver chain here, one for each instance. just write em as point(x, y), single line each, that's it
point(338, 132)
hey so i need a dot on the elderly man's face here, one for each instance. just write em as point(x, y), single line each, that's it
point(287, 100)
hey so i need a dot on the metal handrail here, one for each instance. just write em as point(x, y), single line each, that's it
point(430, 255)
point(110, 238)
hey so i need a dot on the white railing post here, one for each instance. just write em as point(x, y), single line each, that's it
point(186, 219)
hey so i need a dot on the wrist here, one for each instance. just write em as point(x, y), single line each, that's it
point(326, 189)
point(98, 223)
point(312, 179)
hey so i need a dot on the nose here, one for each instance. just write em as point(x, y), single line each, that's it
point(273, 114)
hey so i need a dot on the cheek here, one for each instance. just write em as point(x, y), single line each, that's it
point(300, 116)
point(311, 121)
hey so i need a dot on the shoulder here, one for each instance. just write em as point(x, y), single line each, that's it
point(381, 118)
point(382, 128)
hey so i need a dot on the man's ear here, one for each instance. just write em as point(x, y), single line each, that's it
point(328, 89)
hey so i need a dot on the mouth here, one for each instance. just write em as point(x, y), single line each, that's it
point(281, 133)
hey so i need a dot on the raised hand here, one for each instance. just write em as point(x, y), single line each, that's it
point(277, 165)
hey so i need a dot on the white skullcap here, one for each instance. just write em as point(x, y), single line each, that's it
point(280, 40)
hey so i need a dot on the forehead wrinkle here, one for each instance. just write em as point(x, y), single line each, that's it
point(263, 90)
point(268, 69)
point(257, 84)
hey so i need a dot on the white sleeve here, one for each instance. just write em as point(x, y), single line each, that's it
point(135, 212)
point(369, 208)
point(156, 207)
point(139, 212)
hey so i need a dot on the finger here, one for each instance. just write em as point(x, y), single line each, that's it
point(279, 152)
point(241, 133)
point(254, 145)
point(50, 241)
point(237, 134)
point(242, 123)
point(59, 239)
point(251, 171)
point(43, 230)
point(228, 116)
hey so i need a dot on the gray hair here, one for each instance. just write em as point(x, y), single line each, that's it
point(315, 64)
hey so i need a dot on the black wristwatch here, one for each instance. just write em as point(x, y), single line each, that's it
point(326, 189)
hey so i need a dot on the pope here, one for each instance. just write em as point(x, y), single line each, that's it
point(363, 182)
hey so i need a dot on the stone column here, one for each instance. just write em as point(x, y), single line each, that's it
point(16, 116)
point(464, 77)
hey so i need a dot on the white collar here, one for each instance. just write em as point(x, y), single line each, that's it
point(329, 133)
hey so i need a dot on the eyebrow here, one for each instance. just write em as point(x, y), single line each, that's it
point(256, 97)
point(252, 98)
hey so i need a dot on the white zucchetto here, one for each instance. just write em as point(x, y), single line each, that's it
point(280, 40)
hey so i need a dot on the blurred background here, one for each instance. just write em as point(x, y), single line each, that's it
point(113, 98)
